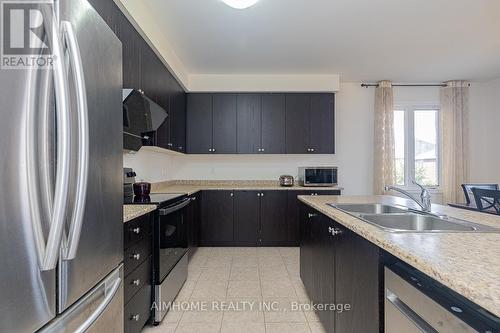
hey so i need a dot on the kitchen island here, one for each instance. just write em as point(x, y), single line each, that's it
point(466, 262)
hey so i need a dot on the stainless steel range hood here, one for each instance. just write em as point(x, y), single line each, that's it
point(141, 119)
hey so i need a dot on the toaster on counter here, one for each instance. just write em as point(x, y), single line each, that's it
point(286, 180)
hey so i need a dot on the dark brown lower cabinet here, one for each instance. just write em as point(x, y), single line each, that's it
point(137, 272)
point(194, 223)
point(217, 209)
point(293, 212)
point(273, 222)
point(246, 217)
point(252, 217)
point(339, 267)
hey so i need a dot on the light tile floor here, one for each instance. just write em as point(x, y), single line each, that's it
point(263, 283)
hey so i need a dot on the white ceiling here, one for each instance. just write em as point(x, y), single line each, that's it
point(400, 40)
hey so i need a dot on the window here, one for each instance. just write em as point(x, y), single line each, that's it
point(416, 135)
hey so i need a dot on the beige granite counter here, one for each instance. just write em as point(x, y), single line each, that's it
point(192, 186)
point(130, 212)
point(468, 263)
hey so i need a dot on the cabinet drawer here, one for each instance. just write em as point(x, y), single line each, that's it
point(136, 229)
point(137, 311)
point(136, 255)
point(138, 279)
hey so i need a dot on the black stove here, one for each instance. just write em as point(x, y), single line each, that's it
point(159, 199)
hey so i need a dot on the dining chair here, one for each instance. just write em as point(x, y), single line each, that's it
point(487, 199)
point(467, 188)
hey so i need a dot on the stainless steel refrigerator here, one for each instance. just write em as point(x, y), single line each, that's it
point(61, 216)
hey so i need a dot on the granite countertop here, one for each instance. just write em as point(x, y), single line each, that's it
point(468, 263)
point(192, 186)
point(130, 212)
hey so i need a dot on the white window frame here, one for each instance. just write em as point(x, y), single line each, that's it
point(409, 129)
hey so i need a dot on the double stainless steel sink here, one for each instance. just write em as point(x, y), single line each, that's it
point(403, 219)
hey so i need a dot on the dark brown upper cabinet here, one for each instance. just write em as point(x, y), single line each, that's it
point(322, 124)
point(178, 121)
point(261, 123)
point(249, 123)
point(211, 123)
point(297, 123)
point(144, 70)
point(199, 123)
point(224, 124)
point(273, 124)
point(310, 127)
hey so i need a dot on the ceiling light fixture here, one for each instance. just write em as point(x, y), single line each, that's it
point(240, 4)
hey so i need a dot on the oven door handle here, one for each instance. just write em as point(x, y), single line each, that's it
point(169, 210)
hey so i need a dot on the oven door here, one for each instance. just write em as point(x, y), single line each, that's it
point(170, 238)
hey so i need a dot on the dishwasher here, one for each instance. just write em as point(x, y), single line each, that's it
point(415, 303)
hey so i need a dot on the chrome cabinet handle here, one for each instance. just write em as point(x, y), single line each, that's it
point(311, 215)
point(136, 230)
point(330, 230)
point(170, 144)
point(336, 231)
point(48, 250)
point(231, 194)
point(136, 256)
point(69, 37)
point(135, 317)
point(136, 282)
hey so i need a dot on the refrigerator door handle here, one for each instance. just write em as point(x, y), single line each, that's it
point(110, 294)
point(48, 251)
point(71, 245)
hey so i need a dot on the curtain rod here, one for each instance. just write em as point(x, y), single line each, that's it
point(366, 85)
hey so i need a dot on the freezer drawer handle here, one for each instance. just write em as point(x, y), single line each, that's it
point(100, 309)
point(70, 245)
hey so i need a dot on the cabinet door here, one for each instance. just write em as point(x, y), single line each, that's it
point(306, 244)
point(131, 51)
point(194, 223)
point(273, 124)
point(321, 116)
point(323, 270)
point(297, 123)
point(163, 99)
point(356, 282)
point(293, 216)
point(273, 223)
point(224, 124)
point(217, 217)
point(248, 123)
point(199, 123)
point(178, 120)
point(246, 218)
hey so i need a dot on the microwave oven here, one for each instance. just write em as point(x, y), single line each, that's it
point(318, 176)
